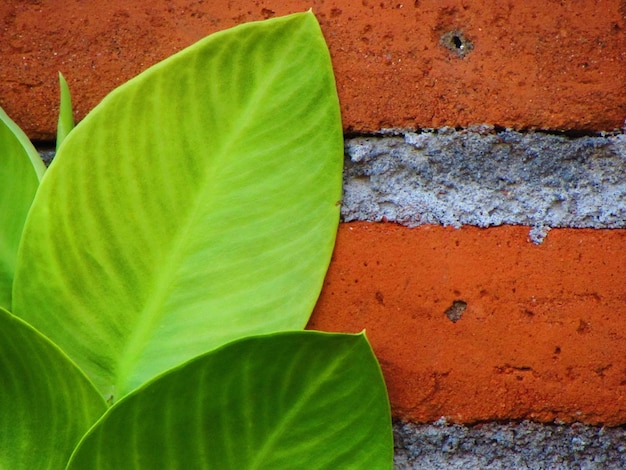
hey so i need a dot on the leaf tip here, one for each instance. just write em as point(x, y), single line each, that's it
point(66, 115)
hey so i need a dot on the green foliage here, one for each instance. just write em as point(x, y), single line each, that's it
point(66, 116)
point(20, 172)
point(46, 403)
point(293, 400)
point(178, 203)
point(195, 206)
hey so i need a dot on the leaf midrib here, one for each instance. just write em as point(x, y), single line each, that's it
point(153, 311)
point(269, 444)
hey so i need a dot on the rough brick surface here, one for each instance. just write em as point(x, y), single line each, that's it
point(481, 324)
point(428, 63)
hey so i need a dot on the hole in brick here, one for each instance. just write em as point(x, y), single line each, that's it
point(335, 12)
point(267, 13)
point(455, 311)
point(583, 327)
point(600, 371)
point(456, 42)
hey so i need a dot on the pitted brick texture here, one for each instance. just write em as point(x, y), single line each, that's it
point(417, 64)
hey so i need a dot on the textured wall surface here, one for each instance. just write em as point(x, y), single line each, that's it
point(523, 446)
point(426, 63)
point(485, 178)
point(483, 245)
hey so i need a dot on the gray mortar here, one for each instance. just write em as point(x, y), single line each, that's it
point(485, 178)
point(493, 446)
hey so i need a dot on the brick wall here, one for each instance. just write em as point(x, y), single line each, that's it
point(474, 317)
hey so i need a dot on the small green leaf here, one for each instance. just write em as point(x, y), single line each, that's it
point(66, 116)
point(46, 403)
point(21, 169)
point(297, 400)
point(198, 203)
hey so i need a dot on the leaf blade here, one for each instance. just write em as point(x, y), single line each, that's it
point(288, 400)
point(47, 403)
point(66, 115)
point(187, 211)
point(20, 172)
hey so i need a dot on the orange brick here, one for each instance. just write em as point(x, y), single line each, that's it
point(542, 336)
point(532, 64)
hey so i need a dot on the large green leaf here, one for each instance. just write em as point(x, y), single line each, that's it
point(20, 171)
point(46, 403)
point(198, 203)
point(299, 400)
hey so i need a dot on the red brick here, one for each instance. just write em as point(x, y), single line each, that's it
point(534, 64)
point(542, 336)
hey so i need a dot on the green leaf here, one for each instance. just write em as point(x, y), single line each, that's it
point(298, 400)
point(20, 171)
point(198, 203)
point(66, 116)
point(46, 403)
